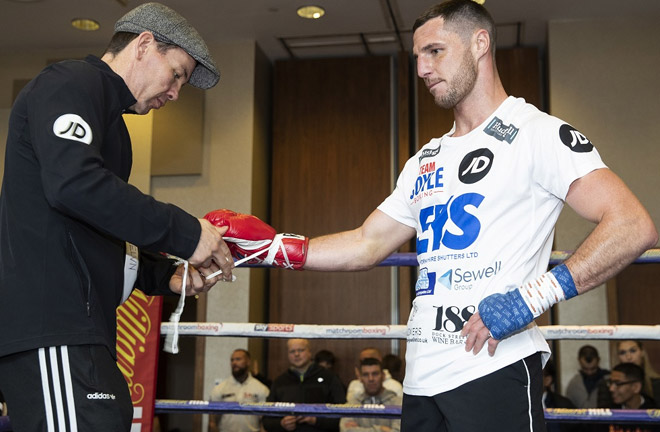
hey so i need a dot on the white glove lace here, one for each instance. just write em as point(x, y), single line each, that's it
point(172, 338)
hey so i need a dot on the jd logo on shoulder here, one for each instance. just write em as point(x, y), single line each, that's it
point(574, 140)
point(72, 127)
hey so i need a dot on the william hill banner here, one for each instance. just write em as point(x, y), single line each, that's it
point(138, 339)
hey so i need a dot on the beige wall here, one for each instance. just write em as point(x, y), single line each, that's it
point(603, 80)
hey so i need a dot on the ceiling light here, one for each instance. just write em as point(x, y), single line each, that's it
point(85, 24)
point(479, 1)
point(311, 12)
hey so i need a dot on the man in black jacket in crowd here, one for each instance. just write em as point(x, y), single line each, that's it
point(304, 382)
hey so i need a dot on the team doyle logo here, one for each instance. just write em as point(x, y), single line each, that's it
point(475, 165)
point(574, 140)
point(72, 127)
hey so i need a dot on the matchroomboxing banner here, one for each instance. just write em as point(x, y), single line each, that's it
point(138, 339)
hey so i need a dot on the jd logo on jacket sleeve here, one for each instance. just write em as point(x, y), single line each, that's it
point(72, 127)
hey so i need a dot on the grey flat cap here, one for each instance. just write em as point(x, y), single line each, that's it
point(169, 27)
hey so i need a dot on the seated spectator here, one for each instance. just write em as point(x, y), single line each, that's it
point(632, 351)
point(552, 399)
point(326, 359)
point(394, 365)
point(241, 387)
point(372, 377)
point(304, 382)
point(355, 387)
point(582, 389)
point(625, 385)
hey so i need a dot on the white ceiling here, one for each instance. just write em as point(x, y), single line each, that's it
point(30, 24)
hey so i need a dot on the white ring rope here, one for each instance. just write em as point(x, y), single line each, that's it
point(312, 331)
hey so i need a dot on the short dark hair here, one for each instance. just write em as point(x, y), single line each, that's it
point(465, 16)
point(392, 363)
point(370, 361)
point(631, 371)
point(120, 40)
point(325, 356)
point(589, 353)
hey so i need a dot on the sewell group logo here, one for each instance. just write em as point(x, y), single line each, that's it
point(286, 328)
point(457, 279)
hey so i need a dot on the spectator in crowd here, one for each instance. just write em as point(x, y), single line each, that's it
point(304, 382)
point(326, 359)
point(240, 387)
point(372, 377)
point(632, 351)
point(582, 389)
point(552, 399)
point(625, 383)
point(394, 365)
point(356, 388)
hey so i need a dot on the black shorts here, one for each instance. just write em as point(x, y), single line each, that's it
point(67, 388)
point(508, 400)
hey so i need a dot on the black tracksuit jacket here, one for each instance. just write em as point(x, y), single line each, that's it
point(66, 211)
point(316, 386)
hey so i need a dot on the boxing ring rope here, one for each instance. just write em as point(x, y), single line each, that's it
point(313, 331)
point(309, 331)
point(409, 259)
point(560, 415)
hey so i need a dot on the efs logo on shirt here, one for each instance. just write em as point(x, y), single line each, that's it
point(72, 127)
point(436, 231)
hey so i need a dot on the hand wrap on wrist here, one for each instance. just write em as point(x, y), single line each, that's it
point(506, 313)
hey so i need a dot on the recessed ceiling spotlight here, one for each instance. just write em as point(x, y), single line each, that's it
point(311, 12)
point(85, 24)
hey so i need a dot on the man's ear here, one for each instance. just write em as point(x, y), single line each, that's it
point(143, 42)
point(481, 43)
point(357, 373)
point(637, 387)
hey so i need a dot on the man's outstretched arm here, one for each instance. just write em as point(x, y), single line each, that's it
point(358, 249)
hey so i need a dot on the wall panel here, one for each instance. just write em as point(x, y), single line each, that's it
point(331, 159)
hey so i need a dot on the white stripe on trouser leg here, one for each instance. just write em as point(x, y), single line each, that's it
point(529, 397)
point(68, 387)
point(57, 388)
point(48, 407)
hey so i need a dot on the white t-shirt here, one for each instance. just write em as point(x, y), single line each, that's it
point(484, 206)
point(230, 390)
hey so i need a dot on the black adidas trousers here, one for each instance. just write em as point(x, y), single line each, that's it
point(65, 389)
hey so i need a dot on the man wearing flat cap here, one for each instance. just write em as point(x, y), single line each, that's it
point(76, 238)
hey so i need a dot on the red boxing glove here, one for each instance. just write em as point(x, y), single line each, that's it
point(248, 234)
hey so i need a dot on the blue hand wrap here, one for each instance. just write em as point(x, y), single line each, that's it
point(565, 280)
point(507, 313)
point(503, 314)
